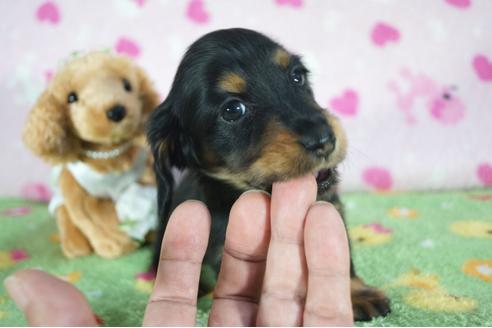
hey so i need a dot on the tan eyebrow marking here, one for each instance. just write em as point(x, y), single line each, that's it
point(232, 82)
point(281, 57)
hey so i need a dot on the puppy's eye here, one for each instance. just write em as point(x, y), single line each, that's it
point(72, 97)
point(233, 111)
point(298, 77)
point(127, 85)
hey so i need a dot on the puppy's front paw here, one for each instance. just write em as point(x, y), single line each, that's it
point(368, 302)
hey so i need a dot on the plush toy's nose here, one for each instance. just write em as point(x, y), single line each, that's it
point(117, 113)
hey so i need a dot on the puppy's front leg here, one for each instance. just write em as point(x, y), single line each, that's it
point(367, 301)
point(96, 218)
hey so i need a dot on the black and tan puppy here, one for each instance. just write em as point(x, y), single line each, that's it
point(241, 115)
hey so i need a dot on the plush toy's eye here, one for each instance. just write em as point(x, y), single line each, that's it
point(72, 97)
point(233, 110)
point(298, 76)
point(127, 85)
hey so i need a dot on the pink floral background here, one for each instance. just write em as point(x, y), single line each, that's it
point(410, 79)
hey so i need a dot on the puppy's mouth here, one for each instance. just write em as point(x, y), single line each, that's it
point(326, 178)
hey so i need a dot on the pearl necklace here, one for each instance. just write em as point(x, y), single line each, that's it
point(107, 154)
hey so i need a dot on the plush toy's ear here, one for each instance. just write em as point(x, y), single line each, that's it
point(48, 132)
point(148, 95)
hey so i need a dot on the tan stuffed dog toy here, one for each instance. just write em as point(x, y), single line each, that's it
point(89, 122)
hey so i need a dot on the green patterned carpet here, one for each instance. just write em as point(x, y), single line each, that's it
point(431, 253)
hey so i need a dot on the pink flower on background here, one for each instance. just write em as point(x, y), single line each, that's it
point(196, 12)
point(16, 211)
point(461, 4)
point(481, 197)
point(346, 104)
point(126, 46)
point(379, 228)
point(383, 33)
point(17, 255)
point(37, 192)
point(291, 3)
point(147, 276)
point(484, 173)
point(483, 68)
point(48, 12)
point(378, 177)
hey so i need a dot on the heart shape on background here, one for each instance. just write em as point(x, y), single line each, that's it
point(292, 3)
point(383, 33)
point(484, 173)
point(378, 177)
point(347, 104)
point(196, 12)
point(483, 67)
point(48, 12)
point(37, 192)
point(461, 4)
point(127, 47)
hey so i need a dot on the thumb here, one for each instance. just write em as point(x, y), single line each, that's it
point(48, 301)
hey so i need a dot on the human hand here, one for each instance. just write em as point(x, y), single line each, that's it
point(286, 262)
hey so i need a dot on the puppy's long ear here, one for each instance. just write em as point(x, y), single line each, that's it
point(170, 147)
point(148, 95)
point(48, 132)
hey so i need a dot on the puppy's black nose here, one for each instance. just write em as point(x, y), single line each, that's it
point(117, 113)
point(319, 139)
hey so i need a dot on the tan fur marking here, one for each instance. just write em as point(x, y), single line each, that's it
point(281, 57)
point(232, 82)
point(340, 151)
point(281, 156)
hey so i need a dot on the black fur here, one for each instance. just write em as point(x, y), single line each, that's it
point(189, 130)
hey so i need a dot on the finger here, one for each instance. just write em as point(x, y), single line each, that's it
point(284, 285)
point(238, 287)
point(46, 300)
point(328, 260)
point(173, 300)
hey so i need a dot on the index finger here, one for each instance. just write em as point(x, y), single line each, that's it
point(173, 300)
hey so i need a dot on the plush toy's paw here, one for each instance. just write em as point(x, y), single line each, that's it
point(75, 247)
point(114, 247)
point(368, 302)
point(73, 242)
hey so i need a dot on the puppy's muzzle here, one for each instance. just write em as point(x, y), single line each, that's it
point(116, 114)
point(318, 139)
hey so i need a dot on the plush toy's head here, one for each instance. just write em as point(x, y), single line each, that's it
point(96, 99)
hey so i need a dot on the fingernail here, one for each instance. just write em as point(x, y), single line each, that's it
point(322, 202)
point(257, 190)
point(16, 291)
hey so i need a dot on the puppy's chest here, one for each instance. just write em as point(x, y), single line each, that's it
point(220, 197)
